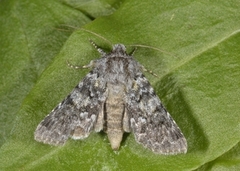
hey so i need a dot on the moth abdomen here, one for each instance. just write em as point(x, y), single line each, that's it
point(114, 112)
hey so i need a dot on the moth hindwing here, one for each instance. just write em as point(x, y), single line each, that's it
point(114, 97)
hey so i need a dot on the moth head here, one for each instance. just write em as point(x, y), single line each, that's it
point(119, 49)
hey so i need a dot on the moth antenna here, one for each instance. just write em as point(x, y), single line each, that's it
point(62, 29)
point(76, 28)
point(64, 25)
point(98, 35)
point(151, 47)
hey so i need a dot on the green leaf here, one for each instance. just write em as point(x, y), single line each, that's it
point(228, 161)
point(198, 84)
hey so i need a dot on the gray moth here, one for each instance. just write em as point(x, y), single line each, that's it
point(114, 97)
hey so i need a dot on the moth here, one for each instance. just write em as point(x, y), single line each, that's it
point(114, 97)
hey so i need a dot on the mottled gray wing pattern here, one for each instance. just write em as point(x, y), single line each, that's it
point(77, 115)
point(150, 122)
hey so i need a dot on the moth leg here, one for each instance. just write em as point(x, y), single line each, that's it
point(90, 65)
point(98, 48)
point(126, 123)
point(133, 51)
point(100, 120)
